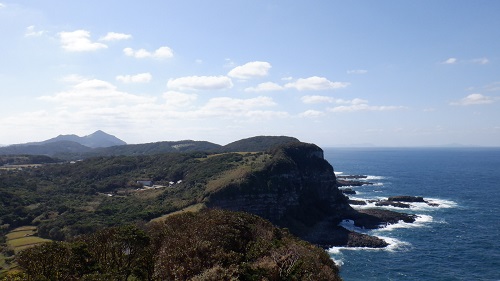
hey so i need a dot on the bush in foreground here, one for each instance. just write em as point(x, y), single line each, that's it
point(209, 245)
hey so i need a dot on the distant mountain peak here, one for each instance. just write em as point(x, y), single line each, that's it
point(97, 133)
point(100, 138)
point(97, 139)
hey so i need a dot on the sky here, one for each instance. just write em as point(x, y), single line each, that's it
point(334, 73)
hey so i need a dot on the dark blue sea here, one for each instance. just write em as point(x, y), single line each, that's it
point(457, 240)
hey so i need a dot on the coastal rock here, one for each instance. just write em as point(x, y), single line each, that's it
point(393, 204)
point(329, 234)
point(352, 183)
point(406, 198)
point(357, 202)
point(357, 177)
point(376, 218)
point(348, 191)
point(343, 237)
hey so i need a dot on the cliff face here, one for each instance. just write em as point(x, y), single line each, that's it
point(296, 190)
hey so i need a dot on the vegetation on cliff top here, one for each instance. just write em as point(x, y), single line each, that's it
point(209, 245)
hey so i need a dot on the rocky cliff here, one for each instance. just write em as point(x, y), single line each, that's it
point(298, 190)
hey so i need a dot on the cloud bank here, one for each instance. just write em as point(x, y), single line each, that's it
point(79, 41)
point(160, 53)
point(474, 99)
point(250, 70)
point(200, 83)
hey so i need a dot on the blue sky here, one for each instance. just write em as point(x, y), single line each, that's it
point(387, 73)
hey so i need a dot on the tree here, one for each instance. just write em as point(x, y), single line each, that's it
point(56, 261)
point(119, 250)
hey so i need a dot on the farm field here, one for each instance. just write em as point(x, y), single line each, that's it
point(19, 239)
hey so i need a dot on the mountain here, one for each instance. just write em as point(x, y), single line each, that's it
point(97, 139)
point(64, 145)
point(51, 148)
point(72, 147)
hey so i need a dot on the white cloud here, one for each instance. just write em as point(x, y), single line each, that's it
point(317, 99)
point(137, 78)
point(450, 61)
point(474, 99)
point(92, 103)
point(178, 99)
point(357, 71)
point(353, 101)
point(312, 114)
point(315, 83)
point(265, 87)
point(481, 61)
point(31, 32)
point(225, 107)
point(221, 104)
point(94, 92)
point(160, 53)
point(114, 36)
point(250, 70)
point(200, 83)
point(364, 107)
point(79, 41)
point(361, 105)
point(163, 53)
point(2, 5)
point(326, 99)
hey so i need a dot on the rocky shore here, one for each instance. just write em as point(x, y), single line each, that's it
point(299, 191)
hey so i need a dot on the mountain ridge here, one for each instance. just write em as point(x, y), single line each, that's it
point(72, 147)
point(97, 139)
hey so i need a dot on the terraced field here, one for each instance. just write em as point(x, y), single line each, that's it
point(19, 239)
point(24, 237)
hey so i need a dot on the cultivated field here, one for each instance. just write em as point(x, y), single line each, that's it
point(19, 239)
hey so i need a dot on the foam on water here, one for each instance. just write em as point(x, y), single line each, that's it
point(395, 245)
point(369, 177)
point(414, 206)
point(443, 203)
point(420, 221)
point(349, 225)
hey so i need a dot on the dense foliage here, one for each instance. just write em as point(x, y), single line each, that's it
point(26, 159)
point(210, 245)
point(68, 199)
point(260, 143)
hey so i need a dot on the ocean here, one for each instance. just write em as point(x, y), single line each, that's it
point(457, 240)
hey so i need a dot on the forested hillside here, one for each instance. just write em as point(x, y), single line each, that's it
point(211, 245)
